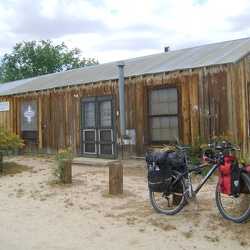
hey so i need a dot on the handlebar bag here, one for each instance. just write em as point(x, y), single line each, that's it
point(229, 175)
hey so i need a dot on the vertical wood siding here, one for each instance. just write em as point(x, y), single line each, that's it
point(212, 101)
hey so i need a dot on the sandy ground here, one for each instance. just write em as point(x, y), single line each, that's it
point(37, 214)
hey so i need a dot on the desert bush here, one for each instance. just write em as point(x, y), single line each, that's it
point(9, 141)
point(58, 163)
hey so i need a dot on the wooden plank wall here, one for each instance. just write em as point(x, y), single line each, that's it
point(240, 109)
point(213, 101)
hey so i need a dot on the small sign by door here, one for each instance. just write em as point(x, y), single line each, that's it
point(4, 106)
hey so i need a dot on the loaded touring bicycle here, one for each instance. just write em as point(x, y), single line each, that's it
point(170, 181)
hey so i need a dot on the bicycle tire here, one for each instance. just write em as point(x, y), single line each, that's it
point(235, 208)
point(171, 201)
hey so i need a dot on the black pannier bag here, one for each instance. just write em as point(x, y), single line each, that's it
point(158, 180)
point(160, 165)
point(176, 161)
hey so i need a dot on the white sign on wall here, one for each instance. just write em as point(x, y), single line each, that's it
point(4, 106)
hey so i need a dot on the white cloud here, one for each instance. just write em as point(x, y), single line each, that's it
point(110, 30)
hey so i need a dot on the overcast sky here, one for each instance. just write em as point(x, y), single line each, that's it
point(111, 30)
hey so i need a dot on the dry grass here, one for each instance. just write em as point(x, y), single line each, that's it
point(11, 168)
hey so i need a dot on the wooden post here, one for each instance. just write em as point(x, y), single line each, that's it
point(67, 172)
point(115, 178)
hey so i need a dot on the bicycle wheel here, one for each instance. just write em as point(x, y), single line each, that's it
point(171, 201)
point(235, 208)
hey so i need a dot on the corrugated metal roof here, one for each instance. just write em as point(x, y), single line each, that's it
point(201, 56)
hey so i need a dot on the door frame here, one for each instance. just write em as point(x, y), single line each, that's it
point(97, 127)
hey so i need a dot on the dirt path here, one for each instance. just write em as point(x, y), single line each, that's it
point(36, 214)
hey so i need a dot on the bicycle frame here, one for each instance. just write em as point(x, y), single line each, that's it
point(208, 175)
point(203, 181)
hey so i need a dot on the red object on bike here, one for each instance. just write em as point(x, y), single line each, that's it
point(229, 174)
point(208, 156)
point(248, 170)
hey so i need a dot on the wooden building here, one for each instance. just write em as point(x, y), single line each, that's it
point(115, 111)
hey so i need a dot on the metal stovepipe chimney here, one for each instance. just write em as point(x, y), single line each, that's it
point(121, 65)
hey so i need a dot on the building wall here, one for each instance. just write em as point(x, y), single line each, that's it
point(212, 101)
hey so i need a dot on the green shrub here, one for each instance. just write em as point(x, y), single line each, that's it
point(58, 163)
point(9, 141)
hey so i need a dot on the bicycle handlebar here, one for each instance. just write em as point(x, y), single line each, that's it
point(211, 160)
point(224, 146)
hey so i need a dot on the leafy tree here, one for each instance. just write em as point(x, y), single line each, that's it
point(33, 58)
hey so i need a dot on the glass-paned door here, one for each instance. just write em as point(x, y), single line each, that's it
point(98, 127)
